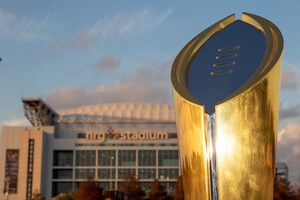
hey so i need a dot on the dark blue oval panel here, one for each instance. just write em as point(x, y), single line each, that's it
point(225, 62)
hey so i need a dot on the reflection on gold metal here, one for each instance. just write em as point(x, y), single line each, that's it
point(246, 124)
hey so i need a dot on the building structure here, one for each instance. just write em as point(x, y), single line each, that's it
point(103, 141)
point(281, 171)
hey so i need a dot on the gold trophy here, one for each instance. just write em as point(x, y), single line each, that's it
point(226, 84)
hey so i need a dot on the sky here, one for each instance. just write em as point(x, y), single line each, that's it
point(73, 53)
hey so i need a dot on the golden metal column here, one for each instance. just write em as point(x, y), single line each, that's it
point(242, 142)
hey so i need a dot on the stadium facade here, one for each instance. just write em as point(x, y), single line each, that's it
point(103, 141)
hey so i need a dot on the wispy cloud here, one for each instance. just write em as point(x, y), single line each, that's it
point(124, 23)
point(286, 112)
point(119, 24)
point(15, 122)
point(288, 79)
point(148, 84)
point(107, 62)
point(82, 40)
point(288, 149)
point(24, 28)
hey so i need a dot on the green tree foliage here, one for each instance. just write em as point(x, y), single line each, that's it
point(158, 192)
point(132, 188)
point(89, 190)
point(283, 190)
point(179, 194)
point(71, 195)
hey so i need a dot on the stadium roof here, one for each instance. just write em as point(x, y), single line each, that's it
point(40, 114)
point(119, 112)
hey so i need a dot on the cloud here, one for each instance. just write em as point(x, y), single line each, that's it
point(119, 24)
point(288, 79)
point(289, 112)
point(24, 28)
point(82, 41)
point(15, 122)
point(148, 84)
point(107, 62)
point(288, 149)
point(130, 22)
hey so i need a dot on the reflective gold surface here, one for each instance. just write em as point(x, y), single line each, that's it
point(194, 148)
point(246, 129)
point(246, 124)
point(191, 121)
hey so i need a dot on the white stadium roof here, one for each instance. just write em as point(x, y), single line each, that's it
point(118, 112)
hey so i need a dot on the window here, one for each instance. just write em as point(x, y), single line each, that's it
point(168, 158)
point(61, 187)
point(147, 174)
point(127, 158)
point(63, 158)
point(107, 158)
point(84, 173)
point(106, 185)
point(123, 172)
point(106, 173)
point(147, 158)
point(62, 174)
point(12, 171)
point(167, 174)
point(85, 158)
point(81, 135)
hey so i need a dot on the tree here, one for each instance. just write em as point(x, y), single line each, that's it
point(71, 195)
point(132, 188)
point(37, 196)
point(89, 190)
point(179, 194)
point(283, 190)
point(158, 192)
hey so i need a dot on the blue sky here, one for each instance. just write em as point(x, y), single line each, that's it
point(74, 53)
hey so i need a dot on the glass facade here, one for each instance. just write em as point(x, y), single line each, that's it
point(168, 158)
point(85, 158)
point(61, 187)
point(109, 167)
point(127, 158)
point(62, 173)
point(106, 158)
point(106, 185)
point(85, 173)
point(123, 172)
point(167, 174)
point(147, 157)
point(147, 174)
point(63, 158)
point(106, 173)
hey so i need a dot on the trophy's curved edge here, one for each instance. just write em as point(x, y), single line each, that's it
point(194, 146)
point(184, 58)
point(191, 120)
point(273, 53)
point(246, 126)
